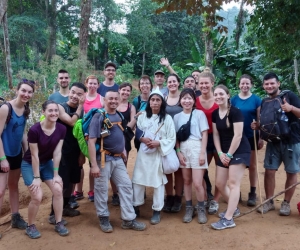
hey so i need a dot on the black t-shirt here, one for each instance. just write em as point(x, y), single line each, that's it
point(226, 134)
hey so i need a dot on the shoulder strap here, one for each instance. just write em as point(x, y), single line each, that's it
point(191, 115)
point(9, 114)
point(139, 103)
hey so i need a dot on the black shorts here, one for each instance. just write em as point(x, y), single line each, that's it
point(69, 170)
point(251, 142)
point(210, 148)
point(14, 161)
point(242, 158)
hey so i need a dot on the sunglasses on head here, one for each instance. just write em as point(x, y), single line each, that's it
point(28, 81)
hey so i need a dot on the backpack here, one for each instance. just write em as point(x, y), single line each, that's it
point(9, 115)
point(273, 128)
point(184, 131)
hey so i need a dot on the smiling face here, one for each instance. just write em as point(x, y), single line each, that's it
point(145, 86)
point(125, 92)
point(155, 103)
point(51, 112)
point(221, 97)
point(110, 73)
point(92, 85)
point(159, 79)
point(63, 80)
point(74, 95)
point(205, 85)
point(25, 92)
point(271, 86)
point(187, 102)
point(190, 83)
point(111, 101)
point(172, 83)
point(245, 85)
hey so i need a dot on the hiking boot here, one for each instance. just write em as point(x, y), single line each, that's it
point(169, 202)
point(189, 214)
point(115, 201)
point(70, 212)
point(73, 203)
point(202, 219)
point(91, 196)
point(61, 229)
point(105, 224)
point(78, 195)
point(32, 232)
point(236, 213)
point(285, 209)
point(251, 202)
point(177, 204)
point(213, 207)
point(155, 219)
point(137, 211)
point(223, 223)
point(266, 207)
point(17, 221)
point(133, 224)
point(52, 221)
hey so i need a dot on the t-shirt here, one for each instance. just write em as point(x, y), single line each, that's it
point(198, 123)
point(58, 97)
point(248, 107)
point(172, 110)
point(207, 112)
point(139, 106)
point(114, 143)
point(88, 105)
point(164, 91)
point(46, 143)
point(103, 89)
point(226, 134)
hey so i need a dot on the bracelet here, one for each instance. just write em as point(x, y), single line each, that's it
point(55, 169)
point(36, 177)
point(3, 158)
point(177, 150)
point(76, 115)
point(229, 155)
point(220, 153)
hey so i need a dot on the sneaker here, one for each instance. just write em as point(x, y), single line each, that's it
point(213, 207)
point(17, 221)
point(105, 224)
point(236, 213)
point(61, 229)
point(73, 203)
point(32, 232)
point(266, 208)
point(177, 204)
point(52, 221)
point(285, 209)
point(115, 200)
point(251, 202)
point(78, 195)
point(70, 212)
point(189, 214)
point(169, 202)
point(202, 219)
point(133, 224)
point(223, 223)
point(91, 196)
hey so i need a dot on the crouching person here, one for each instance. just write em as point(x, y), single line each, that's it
point(109, 164)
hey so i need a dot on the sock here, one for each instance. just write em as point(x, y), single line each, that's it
point(200, 203)
point(252, 190)
point(188, 203)
point(271, 201)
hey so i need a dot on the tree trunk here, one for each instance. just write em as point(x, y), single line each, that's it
point(296, 74)
point(144, 59)
point(52, 28)
point(239, 25)
point(84, 32)
point(209, 50)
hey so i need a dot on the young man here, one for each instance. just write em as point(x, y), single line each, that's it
point(72, 159)
point(112, 167)
point(159, 79)
point(63, 80)
point(286, 151)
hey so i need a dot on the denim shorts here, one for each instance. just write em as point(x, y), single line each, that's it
point(46, 172)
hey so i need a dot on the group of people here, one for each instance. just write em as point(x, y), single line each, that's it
point(221, 127)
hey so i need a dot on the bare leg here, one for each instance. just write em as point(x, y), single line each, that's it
point(33, 207)
point(197, 176)
point(13, 188)
point(221, 182)
point(290, 180)
point(3, 183)
point(187, 180)
point(56, 190)
point(178, 182)
point(252, 170)
point(170, 185)
point(269, 182)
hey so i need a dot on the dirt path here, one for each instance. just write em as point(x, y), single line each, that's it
point(252, 231)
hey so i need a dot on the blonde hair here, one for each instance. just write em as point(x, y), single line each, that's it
point(91, 77)
point(207, 73)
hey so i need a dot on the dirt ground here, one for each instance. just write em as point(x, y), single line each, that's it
point(252, 232)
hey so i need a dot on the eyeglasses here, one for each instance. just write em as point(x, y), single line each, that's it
point(145, 83)
point(110, 70)
point(63, 78)
point(28, 81)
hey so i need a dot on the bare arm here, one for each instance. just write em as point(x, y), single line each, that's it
point(3, 115)
point(66, 118)
point(57, 156)
point(24, 143)
point(95, 171)
point(165, 62)
point(203, 147)
point(236, 140)
point(216, 138)
point(132, 122)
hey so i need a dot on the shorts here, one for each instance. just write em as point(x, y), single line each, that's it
point(191, 151)
point(46, 172)
point(251, 142)
point(210, 148)
point(14, 161)
point(289, 154)
point(69, 170)
point(242, 158)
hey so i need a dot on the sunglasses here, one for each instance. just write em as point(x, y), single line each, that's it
point(24, 80)
point(63, 78)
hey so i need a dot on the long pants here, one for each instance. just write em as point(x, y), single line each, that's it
point(116, 171)
point(158, 196)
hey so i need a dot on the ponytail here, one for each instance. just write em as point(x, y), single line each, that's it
point(27, 110)
point(227, 114)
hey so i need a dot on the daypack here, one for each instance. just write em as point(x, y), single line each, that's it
point(9, 115)
point(272, 126)
point(184, 131)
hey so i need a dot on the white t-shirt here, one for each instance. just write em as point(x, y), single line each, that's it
point(198, 123)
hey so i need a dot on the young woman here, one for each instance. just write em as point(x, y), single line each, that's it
point(148, 169)
point(249, 104)
point(192, 154)
point(206, 103)
point(145, 86)
point(173, 203)
point(234, 154)
point(12, 141)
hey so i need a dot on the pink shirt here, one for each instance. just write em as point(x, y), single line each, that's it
point(88, 105)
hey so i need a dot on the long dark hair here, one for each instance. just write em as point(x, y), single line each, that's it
point(31, 84)
point(162, 112)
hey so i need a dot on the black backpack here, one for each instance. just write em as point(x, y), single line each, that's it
point(273, 128)
point(9, 115)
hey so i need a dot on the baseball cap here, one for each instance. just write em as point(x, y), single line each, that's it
point(110, 64)
point(159, 72)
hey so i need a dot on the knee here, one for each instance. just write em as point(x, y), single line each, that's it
point(198, 186)
point(187, 181)
point(2, 193)
point(220, 184)
point(36, 198)
point(12, 186)
point(57, 191)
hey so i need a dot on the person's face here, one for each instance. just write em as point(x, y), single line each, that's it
point(271, 86)
point(51, 113)
point(25, 92)
point(63, 80)
point(205, 84)
point(75, 94)
point(187, 102)
point(92, 85)
point(155, 103)
point(111, 100)
point(221, 97)
point(159, 79)
point(189, 83)
point(110, 73)
point(172, 83)
point(145, 86)
point(196, 75)
point(245, 85)
point(125, 92)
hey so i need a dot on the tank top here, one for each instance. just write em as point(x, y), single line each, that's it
point(88, 105)
point(173, 110)
point(207, 112)
point(126, 113)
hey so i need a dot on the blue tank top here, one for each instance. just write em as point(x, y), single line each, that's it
point(12, 135)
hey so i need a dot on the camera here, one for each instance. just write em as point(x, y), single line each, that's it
point(108, 123)
point(105, 133)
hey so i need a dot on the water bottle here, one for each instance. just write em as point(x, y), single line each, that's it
point(284, 117)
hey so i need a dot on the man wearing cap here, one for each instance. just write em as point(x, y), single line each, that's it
point(159, 79)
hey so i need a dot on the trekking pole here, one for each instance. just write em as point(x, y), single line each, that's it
point(256, 158)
